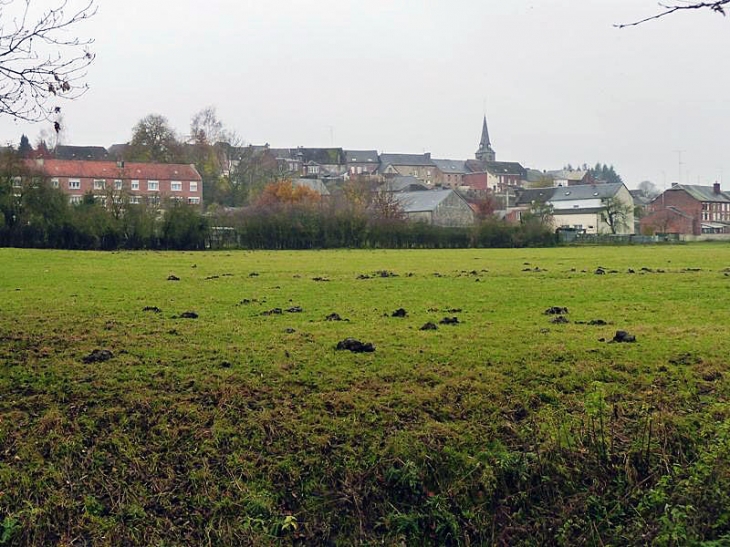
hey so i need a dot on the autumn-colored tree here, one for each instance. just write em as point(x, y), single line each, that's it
point(286, 193)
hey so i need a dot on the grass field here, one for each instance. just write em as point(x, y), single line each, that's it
point(245, 426)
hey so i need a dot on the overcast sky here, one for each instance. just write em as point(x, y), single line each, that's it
point(557, 82)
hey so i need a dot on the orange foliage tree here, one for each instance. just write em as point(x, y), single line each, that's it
point(285, 193)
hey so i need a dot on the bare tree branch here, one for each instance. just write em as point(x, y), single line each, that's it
point(717, 6)
point(38, 60)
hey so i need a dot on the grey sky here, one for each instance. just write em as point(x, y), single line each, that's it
point(558, 83)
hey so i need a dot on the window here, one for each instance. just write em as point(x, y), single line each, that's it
point(99, 184)
point(193, 186)
point(153, 185)
point(117, 184)
point(194, 201)
point(176, 186)
point(135, 185)
point(17, 182)
point(74, 200)
point(74, 184)
point(135, 199)
point(54, 183)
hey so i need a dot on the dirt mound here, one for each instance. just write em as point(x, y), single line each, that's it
point(400, 312)
point(334, 317)
point(556, 310)
point(559, 320)
point(355, 346)
point(429, 326)
point(188, 315)
point(449, 321)
point(98, 356)
point(173, 278)
point(153, 309)
point(622, 336)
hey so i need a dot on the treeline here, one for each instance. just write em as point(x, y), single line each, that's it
point(40, 217)
point(307, 228)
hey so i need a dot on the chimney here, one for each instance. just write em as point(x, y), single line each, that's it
point(716, 188)
point(428, 155)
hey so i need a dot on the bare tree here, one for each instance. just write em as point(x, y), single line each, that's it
point(38, 60)
point(718, 6)
point(206, 128)
point(616, 214)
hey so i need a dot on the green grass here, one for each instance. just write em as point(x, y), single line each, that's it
point(244, 428)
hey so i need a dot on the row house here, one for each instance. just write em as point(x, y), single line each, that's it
point(152, 183)
point(688, 209)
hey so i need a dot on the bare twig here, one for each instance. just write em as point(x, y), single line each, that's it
point(717, 6)
point(38, 61)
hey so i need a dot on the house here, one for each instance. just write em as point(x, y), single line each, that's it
point(592, 208)
point(443, 208)
point(415, 165)
point(688, 209)
point(152, 183)
point(449, 173)
point(320, 162)
point(362, 162)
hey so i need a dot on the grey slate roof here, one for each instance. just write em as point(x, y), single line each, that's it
point(496, 167)
point(362, 156)
point(417, 202)
point(404, 184)
point(407, 159)
point(569, 193)
point(537, 195)
point(702, 193)
point(457, 167)
point(586, 191)
point(505, 168)
point(93, 153)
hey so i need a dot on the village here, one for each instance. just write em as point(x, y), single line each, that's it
point(441, 192)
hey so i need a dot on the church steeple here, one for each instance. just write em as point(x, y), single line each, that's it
point(485, 152)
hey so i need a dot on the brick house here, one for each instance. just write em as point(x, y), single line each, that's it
point(152, 183)
point(688, 209)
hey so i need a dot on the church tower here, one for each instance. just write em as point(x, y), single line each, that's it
point(485, 152)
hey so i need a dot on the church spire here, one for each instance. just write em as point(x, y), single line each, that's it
point(485, 152)
point(484, 143)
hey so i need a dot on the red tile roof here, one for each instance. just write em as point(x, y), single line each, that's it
point(111, 170)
